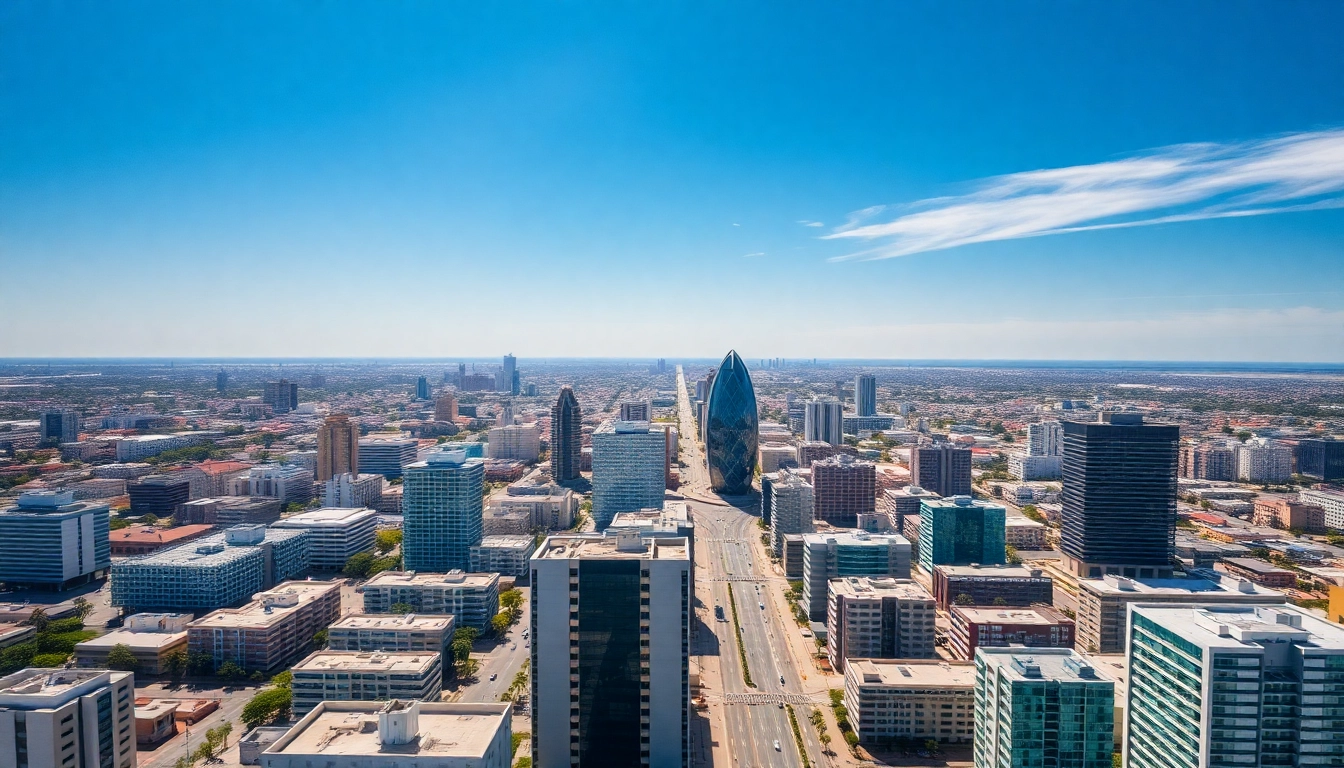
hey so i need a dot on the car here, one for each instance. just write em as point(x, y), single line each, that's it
point(781, 705)
point(776, 745)
point(762, 606)
point(781, 680)
point(493, 676)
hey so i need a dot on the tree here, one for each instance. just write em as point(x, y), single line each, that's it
point(402, 608)
point(200, 663)
point(461, 650)
point(267, 706)
point(964, 599)
point(1010, 555)
point(358, 565)
point(511, 599)
point(1000, 601)
point(216, 739)
point(82, 607)
point(121, 658)
point(230, 671)
point(283, 679)
point(175, 664)
point(319, 639)
point(467, 668)
point(501, 622)
point(387, 540)
point(38, 619)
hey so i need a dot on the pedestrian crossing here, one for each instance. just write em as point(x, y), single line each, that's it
point(781, 697)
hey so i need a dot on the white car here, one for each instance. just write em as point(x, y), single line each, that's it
point(776, 745)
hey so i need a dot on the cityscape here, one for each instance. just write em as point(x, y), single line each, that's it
point(620, 385)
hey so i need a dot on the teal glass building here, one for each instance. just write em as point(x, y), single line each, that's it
point(441, 507)
point(960, 531)
point(731, 428)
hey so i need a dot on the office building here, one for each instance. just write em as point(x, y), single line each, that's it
point(158, 495)
point(59, 426)
point(628, 469)
point(823, 421)
point(1264, 461)
point(1043, 708)
point(1209, 460)
point(282, 396)
point(1232, 685)
point(791, 503)
point(136, 448)
point(774, 457)
point(1330, 501)
point(1101, 623)
point(865, 395)
point(1028, 467)
point(611, 652)
point(1023, 533)
point(353, 491)
point(941, 468)
point(844, 488)
point(878, 618)
point(505, 555)
point(270, 632)
point(221, 380)
point(1258, 571)
point(1036, 626)
point(287, 483)
point(445, 407)
point(1008, 585)
point(335, 534)
point(366, 632)
point(1045, 438)
point(640, 410)
point(358, 676)
point(211, 572)
point(422, 388)
point(49, 540)
point(441, 510)
point(67, 718)
point(1321, 459)
point(566, 437)
point(1119, 497)
point(505, 378)
point(1286, 514)
point(731, 428)
point(414, 734)
point(151, 638)
point(337, 447)
point(517, 442)
point(228, 511)
point(386, 456)
point(829, 556)
point(899, 701)
point(897, 503)
point(521, 508)
point(960, 531)
point(471, 598)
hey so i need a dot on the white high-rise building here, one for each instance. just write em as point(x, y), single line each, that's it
point(1264, 461)
point(520, 442)
point(629, 469)
point(353, 491)
point(611, 651)
point(335, 534)
point(791, 503)
point(823, 421)
point(1045, 438)
point(60, 718)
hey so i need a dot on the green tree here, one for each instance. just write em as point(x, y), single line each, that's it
point(501, 622)
point(358, 565)
point(964, 599)
point(283, 679)
point(319, 640)
point(511, 599)
point(38, 619)
point(49, 660)
point(387, 540)
point(82, 607)
point(1010, 555)
point(230, 671)
point(175, 664)
point(999, 601)
point(402, 608)
point(121, 658)
point(200, 663)
point(267, 706)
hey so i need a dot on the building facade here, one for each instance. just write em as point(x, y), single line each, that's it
point(1011, 585)
point(829, 556)
point(941, 468)
point(731, 428)
point(823, 421)
point(791, 504)
point(59, 426)
point(57, 718)
point(1330, 501)
point(1321, 459)
point(386, 456)
point(505, 555)
point(50, 540)
point(270, 632)
point(441, 511)
point(335, 534)
point(843, 488)
point(628, 469)
point(282, 395)
point(366, 676)
point(391, 632)
point(519, 442)
point(471, 598)
point(566, 437)
point(337, 447)
point(865, 394)
point(960, 531)
point(878, 618)
point(1037, 626)
point(891, 701)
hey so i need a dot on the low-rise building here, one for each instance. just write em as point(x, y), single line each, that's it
point(287, 483)
point(155, 721)
point(900, 503)
point(471, 598)
point(228, 511)
point(271, 631)
point(774, 457)
point(354, 491)
point(892, 700)
point(334, 534)
point(144, 539)
point(1287, 514)
point(1258, 571)
point(547, 506)
point(415, 734)
point(878, 618)
point(1012, 585)
point(391, 632)
point(1330, 501)
point(1024, 533)
point(151, 638)
point(506, 555)
point(49, 540)
point(366, 676)
point(55, 718)
point(1038, 626)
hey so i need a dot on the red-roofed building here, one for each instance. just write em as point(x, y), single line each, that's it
point(143, 539)
point(1204, 518)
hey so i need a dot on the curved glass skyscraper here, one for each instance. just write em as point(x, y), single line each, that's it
point(731, 431)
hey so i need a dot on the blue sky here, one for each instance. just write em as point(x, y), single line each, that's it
point(425, 179)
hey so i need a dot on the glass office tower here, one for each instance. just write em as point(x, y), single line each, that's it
point(731, 434)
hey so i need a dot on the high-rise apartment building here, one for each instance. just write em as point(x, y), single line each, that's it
point(823, 421)
point(353, 491)
point(517, 442)
point(508, 376)
point(335, 534)
point(1045, 438)
point(1321, 459)
point(611, 652)
point(386, 456)
point(941, 468)
point(878, 618)
point(1209, 460)
point(1232, 685)
point(731, 428)
point(50, 540)
point(271, 631)
point(1119, 497)
point(282, 395)
point(566, 437)
point(628, 469)
point(1260, 460)
point(337, 447)
point(441, 507)
point(829, 556)
point(637, 410)
point(471, 598)
point(843, 488)
point(791, 503)
point(67, 718)
point(422, 388)
point(865, 394)
point(290, 483)
point(59, 426)
point(445, 407)
point(960, 531)
point(1042, 708)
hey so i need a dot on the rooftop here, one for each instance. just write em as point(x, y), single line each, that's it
point(855, 539)
point(155, 535)
point(623, 546)
point(268, 607)
point(1247, 626)
point(133, 640)
point(420, 621)
point(352, 728)
point(412, 662)
point(36, 688)
point(953, 502)
point(210, 550)
point(1043, 615)
point(991, 571)
point(908, 673)
point(1057, 664)
point(1189, 585)
point(1256, 566)
point(872, 587)
point(327, 516)
point(425, 578)
point(506, 541)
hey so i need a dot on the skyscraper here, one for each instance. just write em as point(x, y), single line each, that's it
point(282, 395)
point(60, 426)
point(507, 375)
point(337, 447)
point(221, 380)
point(566, 437)
point(442, 507)
point(941, 468)
point(823, 421)
point(422, 388)
point(628, 469)
point(865, 395)
point(445, 407)
point(731, 428)
point(1321, 459)
point(1119, 497)
point(791, 502)
point(611, 652)
point(844, 488)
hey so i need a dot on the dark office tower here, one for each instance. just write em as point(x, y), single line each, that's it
point(158, 495)
point(516, 386)
point(337, 447)
point(461, 373)
point(941, 468)
point(422, 388)
point(842, 489)
point(1119, 497)
point(60, 427)
point(282, 395)
point(865, 395)
point(566, 437)
point(731, 428)
point(1321, 459)
point(221, 380)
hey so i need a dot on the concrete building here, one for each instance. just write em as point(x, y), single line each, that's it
point(628, 469)
point(59, 426)
point(337, 447)
point(366, 676)
point(897, 503)
point(445, 407)
point(986, 584)
point(211, 572)
point(1024, 533)
point(151, 637)
point(135, 448)
point(1208, 460)
point(519, 442)
point(639, 410)
point(793, 556)
point(1232, 685)
point(386, 456)
point(289, 483)
point(1044, 708)
point(774, 457)
point(1038, 626)
point(610, 654)
point(270, 632)
point(828, 556)
point(878, 618)
point(49, 540)
point(158, 495)
point(471, 598)
point(282, 395)
point(144, 539)
point(1264, 461)
point(334, 534)
point(960, 531)
point(1286, 514)
point(1259, 572)
point(441, 510)
point(941, 468)
point(1330, 501)
point(391, 632)
point(507, 381)
point(892, 700)
point(843, 488)
point(791, 505)
point(566, 437)
point(353, 491)
point(823, 421)
point(1028, 467)
point(865, 394)
point(396, 734)
point(64, 718)
point(1103, 604)
point(505, 555)
point(531, 507)
point(1045, 438)
point(228, 511)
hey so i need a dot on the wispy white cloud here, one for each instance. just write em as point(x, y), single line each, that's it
point(753, 255)
point(1185, 182)
point(807, 223)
